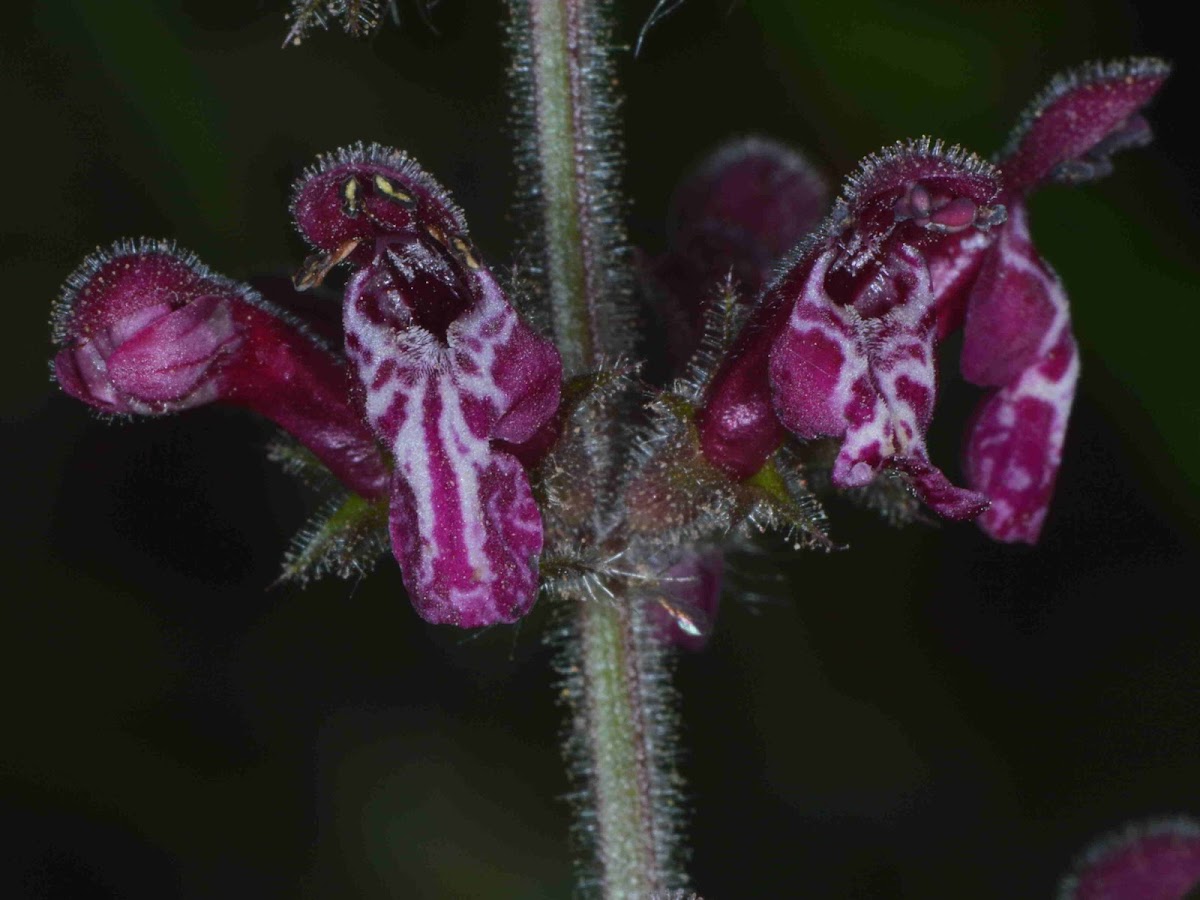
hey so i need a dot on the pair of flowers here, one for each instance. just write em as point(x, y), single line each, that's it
point(441, 396)
point(438, 385)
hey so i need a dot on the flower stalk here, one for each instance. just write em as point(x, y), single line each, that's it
point(569, 159)
point(620, 742)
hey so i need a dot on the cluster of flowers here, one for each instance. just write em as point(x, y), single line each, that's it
point(442, 398)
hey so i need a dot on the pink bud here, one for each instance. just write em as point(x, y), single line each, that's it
point(147, 329)
point(737, 213)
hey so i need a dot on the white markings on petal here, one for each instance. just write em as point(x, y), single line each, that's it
point(464, 524)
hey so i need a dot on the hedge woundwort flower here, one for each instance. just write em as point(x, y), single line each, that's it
point(1016, 335)
point(842, 342)
point(447, 368)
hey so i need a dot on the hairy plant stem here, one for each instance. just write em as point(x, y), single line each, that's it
point(619, 732)
point(620, 743)
point(556, 77)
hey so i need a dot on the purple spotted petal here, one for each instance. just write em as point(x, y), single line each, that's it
point(464, 526)
point(1156, 861)
point(1081, 119)
point(1014, 445)
point(147, 329)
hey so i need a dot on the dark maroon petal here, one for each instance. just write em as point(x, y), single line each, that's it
point(745, 206)
point(1082, 117)
point(689, 592)
point(1010, 309)
point(464, 525)
point(361, 192)
point(1154, 861)
point(735, 215)
point(146, 328)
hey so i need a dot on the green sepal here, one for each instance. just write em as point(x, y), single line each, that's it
point(346, 538)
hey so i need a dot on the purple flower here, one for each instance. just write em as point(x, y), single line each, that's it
point(1017, 333)
point(842, 343)
point(1152, 861)
point(450, 375)
point(144, 328)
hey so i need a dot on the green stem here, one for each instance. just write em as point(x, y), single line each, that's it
point(619, 750)
point(556, 78)
point(571, 159)
point(621, 739)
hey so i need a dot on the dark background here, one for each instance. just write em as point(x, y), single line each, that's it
point(927, 715)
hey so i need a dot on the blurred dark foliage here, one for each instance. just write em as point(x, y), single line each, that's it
point(927, 715)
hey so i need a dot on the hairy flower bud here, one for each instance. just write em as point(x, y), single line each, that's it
point(145, 328)
point(736, 214)
point(450, 375)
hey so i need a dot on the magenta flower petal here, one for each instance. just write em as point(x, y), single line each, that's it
point(1155, 861)
point(147, 329)
point(1014, 445)
point(1079, 120)
point(464, 525)
point(1014, 303)
point(1018, 336)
